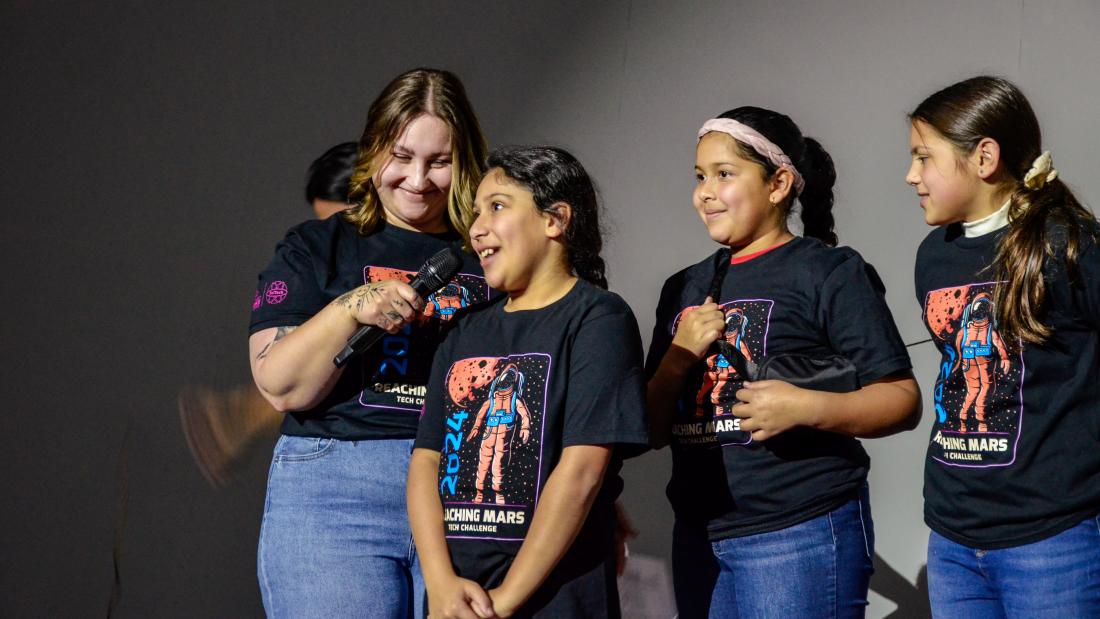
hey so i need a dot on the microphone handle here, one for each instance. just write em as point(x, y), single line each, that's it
point(364, 338)
point(368, 335)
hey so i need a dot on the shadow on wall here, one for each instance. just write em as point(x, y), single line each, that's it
point(912, 600)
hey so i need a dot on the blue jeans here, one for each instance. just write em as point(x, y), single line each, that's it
point(1055, 577)
point(818, 568)
point(335, 539)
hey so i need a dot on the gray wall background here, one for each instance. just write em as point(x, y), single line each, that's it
point(152, 156)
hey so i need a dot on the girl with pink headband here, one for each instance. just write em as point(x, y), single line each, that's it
point(769, 359)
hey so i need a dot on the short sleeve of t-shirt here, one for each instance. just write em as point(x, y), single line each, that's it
point(605, 402)
point(852, 310)
point(288, 293)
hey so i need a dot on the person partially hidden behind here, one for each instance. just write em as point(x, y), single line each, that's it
point(222, 426)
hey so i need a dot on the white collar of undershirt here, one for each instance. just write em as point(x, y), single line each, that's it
point(990, 223)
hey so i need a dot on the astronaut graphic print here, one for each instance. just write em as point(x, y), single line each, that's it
point(704, 414)
point(978, 397)
point(490, 463)
point(399, 359)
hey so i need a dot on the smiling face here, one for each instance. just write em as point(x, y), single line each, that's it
point(731, 193)
point(947, 183)
point(510, 234)
point(414, 179)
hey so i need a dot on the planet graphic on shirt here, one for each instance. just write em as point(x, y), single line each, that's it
point(373, 274)
point(470, 375)
point(276, 292)
point(943, 309)
point(387, 274)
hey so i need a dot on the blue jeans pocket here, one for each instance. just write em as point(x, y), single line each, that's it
point(301, 448)
point(721, 547)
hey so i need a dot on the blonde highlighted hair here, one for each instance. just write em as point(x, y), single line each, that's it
point(414, 93)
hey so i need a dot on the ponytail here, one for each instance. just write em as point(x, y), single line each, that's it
point(586, 263)
point(1027, 245)
point(817, 196)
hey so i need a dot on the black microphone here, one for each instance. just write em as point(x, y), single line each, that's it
point(436, 272)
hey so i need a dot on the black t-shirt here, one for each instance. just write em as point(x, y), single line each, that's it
point(381, 392)
point(508, 392)
point(801, 297)
point(1014, 455)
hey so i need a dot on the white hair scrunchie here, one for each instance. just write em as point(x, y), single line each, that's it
point(1042, 172)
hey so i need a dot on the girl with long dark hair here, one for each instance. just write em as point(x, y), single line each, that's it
point(1009, 282)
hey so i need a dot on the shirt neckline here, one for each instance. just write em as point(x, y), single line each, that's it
point(990, 223)
point(757, 254)
point(530, 312)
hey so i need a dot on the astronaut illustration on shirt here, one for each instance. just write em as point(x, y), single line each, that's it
point(978, 392)
point(707, 420)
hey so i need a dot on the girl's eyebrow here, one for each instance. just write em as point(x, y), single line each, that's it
point(494, 196)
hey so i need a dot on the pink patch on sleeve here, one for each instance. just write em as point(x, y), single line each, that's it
point(276, 293)
point(257, 301)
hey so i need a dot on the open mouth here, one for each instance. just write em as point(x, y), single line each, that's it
point(485, 253)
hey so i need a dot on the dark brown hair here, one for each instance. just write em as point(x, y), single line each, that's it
point(420, 91)
point(553, 175)
point(1043, 222)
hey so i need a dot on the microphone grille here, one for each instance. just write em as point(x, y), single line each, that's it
point(440, 268)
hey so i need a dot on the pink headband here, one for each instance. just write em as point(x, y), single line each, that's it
point(759, 143)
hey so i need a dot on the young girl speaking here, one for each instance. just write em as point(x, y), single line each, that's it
point(533, 401)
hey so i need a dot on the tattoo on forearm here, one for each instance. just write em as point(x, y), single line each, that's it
point(280, 333)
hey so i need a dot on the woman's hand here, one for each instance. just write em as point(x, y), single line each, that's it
point(699, 328)
point(771, 407)
point(459, 598)
point(388, 305)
